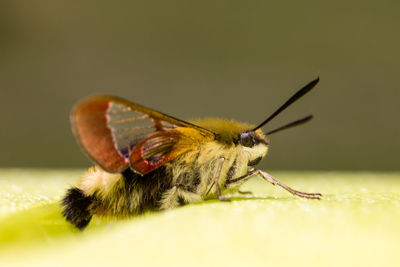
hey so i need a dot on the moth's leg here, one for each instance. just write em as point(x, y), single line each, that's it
point(176, 196)
point(216, 178)
point(274, 181)
point(269, 178)
point(240, 180)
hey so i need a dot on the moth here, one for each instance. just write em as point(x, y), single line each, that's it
point(146, 160)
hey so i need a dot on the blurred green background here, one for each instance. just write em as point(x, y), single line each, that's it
point(231, 59)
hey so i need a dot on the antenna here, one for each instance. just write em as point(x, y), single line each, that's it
point(291, 100)
point(292, 124)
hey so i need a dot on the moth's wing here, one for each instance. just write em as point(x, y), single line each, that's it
point(163, 147)
point(116, 134)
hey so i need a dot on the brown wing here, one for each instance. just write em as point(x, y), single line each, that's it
point(116, 133)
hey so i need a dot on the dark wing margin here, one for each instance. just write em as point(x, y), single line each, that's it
point(116, 134)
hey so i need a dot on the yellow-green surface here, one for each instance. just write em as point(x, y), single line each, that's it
point(357, 223)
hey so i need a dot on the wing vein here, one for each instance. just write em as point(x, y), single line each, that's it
point(128, 119)
point(121, 110)
point(134, 135)
point(127, 129)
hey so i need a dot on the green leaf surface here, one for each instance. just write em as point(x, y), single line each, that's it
point(357, 223)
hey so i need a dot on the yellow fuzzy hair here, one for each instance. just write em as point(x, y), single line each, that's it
point(227, 130)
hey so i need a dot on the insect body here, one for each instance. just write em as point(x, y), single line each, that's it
point(146, 160)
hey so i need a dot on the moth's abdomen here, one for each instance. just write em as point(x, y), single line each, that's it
point(77, 208)
point(114, 195)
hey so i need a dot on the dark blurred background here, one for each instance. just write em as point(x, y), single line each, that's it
point(189, 59)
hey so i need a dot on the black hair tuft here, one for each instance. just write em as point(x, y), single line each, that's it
point(76, 208)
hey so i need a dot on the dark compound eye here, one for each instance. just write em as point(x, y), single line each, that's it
point(247, 139)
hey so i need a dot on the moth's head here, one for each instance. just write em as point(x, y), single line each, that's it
point(230, 133)
point(254, 144)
